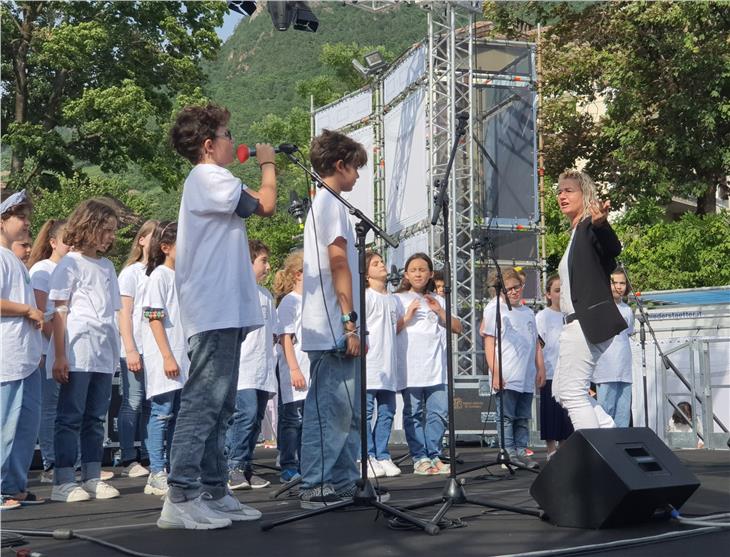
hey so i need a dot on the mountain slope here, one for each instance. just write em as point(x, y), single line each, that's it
point(258, 67)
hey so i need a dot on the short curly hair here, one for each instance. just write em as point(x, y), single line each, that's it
point(195, 124)
point(85, 223)
point(329, 147)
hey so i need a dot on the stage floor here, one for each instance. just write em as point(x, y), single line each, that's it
point(130, 521)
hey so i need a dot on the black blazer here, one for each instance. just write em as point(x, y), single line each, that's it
point(591, 261)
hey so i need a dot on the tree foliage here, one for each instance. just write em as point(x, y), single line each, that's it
point(663, 71)
point(96, 82)
point(58, 203)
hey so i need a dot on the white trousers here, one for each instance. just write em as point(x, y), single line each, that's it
point(572, 380)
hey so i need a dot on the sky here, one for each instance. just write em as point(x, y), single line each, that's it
point(230, 20)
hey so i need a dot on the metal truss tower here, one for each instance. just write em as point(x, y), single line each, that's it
point(450, 92)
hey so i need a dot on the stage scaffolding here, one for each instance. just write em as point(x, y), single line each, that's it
point(412, 113)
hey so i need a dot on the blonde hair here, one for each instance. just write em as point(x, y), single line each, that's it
point(137, 252)
point(286, 278)
point(587, 187)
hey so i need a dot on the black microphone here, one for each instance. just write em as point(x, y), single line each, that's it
point(244, 152)
point(298, 207)
point(394, 276)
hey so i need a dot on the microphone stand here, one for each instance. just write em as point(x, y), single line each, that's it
point(365, 496)
point(666, 361)
point(485, 245)
point(453, 492)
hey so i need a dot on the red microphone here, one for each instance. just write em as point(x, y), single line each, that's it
point(244, 152)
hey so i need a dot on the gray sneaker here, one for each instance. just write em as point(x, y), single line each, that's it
point(529, 463)
point(318, 497)
point(237, 479)
point(156, 483)
point(257, 482)
point(229, 507)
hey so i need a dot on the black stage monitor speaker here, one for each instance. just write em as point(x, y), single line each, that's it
point(603, 478)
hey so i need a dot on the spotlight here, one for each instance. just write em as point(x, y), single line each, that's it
point(244, 8)
point(374, 63)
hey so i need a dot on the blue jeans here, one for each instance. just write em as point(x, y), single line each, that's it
point(330, 430)
point(379, 435)
point(20, 404)
point(207, 402)
point(615, 398)
point(290, 434)
point(161, 428)
point(49, 403)
point(425, 416)
point(83, 404)
point(133, 414)
point(244, 432)
point(517, 414)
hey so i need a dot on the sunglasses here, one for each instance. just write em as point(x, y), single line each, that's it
point(227, 135)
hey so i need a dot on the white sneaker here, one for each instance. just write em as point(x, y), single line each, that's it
point(106, 475)
point(229, 507)
point(99, 489)
point(375, 470)
point(190, 515)
point(156, 483)
point(69, 492)
point(389, 467)
point(135, 470)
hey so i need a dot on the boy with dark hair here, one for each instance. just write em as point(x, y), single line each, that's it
point(219, 306)
point(256, 383)
point(330, 438)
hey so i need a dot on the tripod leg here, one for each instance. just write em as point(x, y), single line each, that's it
point(503, 507)
point(429, 527)
point(287, 487)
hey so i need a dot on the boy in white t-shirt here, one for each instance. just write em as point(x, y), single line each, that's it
point(218, 305)
point(20, 355)
point(256, 383)
point(522, 364)
point(330, 432)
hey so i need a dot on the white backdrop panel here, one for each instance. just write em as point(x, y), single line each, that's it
point(349, 110)
point(362, 195)
point(407, 247)
point(409, 70)
point(406, 191)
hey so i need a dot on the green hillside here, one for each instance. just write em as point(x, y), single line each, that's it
point(258, 67)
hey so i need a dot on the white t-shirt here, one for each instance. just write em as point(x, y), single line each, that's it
point(615, 363)
point(161, 293)
point(20, 341)
point(421, 354)
point(549, 325)
point(40, 276)
point(258, 358)
point(289, 315)
point(132, 283)
point(322, 315)
point(566, 302)
point(90, 287)
point(382, 318)
point(213, 272)
point(519, 343)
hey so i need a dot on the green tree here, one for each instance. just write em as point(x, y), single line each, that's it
point(691, 252)
point(663, 71)
point(95, 82)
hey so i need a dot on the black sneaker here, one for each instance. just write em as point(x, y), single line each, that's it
point(318, 497)
point(382, 494)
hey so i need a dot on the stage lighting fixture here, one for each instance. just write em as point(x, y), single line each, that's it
point(374, 63)
point(245, 8)
point(304, 18)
